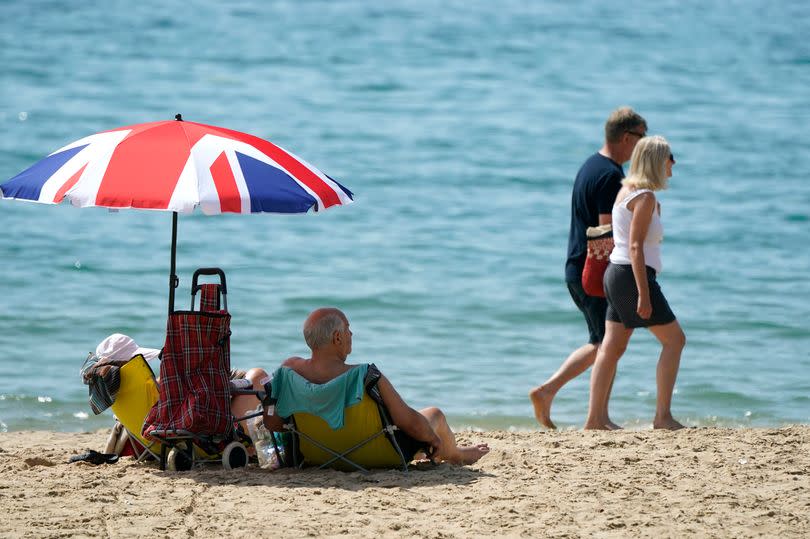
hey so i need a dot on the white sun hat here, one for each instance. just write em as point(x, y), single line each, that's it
point(118, 346)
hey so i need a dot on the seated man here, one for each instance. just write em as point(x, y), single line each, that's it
point(327, 333)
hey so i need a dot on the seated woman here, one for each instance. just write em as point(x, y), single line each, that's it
point(117, 349)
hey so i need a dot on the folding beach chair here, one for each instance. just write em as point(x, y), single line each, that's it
point(342, 424)
point(192, 418)
point(136, 396)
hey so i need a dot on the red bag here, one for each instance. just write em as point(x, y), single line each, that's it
point(600, 245)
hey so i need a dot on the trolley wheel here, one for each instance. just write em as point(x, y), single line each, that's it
point(178, 460)
point(234, 456)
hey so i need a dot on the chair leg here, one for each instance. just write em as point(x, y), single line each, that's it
point(395, 444)
point(340, 456)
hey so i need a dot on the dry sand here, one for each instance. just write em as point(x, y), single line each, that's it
point(696, 482)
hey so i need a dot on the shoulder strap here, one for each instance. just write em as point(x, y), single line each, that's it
point(634, 194)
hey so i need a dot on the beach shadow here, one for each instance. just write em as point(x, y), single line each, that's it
point(422, 476)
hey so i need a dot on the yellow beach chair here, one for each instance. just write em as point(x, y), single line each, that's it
point(365, 438)
point(136, 396)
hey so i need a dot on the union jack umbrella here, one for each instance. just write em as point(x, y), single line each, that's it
point(177, 166)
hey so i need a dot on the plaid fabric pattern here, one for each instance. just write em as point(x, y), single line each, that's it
point(209, 297)
point(194, 373)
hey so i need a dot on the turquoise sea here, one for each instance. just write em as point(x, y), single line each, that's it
point(459, 126)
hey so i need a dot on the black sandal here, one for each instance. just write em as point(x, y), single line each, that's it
point(94, 457)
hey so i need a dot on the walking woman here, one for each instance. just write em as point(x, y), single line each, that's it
point(634, 298)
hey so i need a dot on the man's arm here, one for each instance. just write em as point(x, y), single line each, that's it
point(609, 187)
point(273, 422)
point(406, 418)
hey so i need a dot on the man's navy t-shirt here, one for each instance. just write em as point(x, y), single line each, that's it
point(595, 189)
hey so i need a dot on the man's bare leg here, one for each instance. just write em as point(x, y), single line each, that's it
point(451, 451)
point(541, 396)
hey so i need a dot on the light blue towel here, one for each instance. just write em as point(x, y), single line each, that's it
point(296, 394)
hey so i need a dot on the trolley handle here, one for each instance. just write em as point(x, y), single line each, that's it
point(208, 271)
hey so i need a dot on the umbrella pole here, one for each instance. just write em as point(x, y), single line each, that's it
point(173, 280)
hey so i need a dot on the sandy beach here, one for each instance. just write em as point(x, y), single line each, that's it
point(697, 482)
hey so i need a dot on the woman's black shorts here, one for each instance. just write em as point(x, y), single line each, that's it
point(622, 298)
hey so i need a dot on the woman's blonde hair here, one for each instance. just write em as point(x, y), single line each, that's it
point(648, 164)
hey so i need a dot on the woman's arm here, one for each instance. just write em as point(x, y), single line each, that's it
point(642, 208)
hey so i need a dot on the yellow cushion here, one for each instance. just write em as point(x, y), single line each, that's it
point(360, 421)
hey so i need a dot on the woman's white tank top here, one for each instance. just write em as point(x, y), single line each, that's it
point(621, 234)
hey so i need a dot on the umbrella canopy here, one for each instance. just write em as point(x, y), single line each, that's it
point(177, 166)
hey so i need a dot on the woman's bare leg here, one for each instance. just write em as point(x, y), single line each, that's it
point(603, 372)
point(241, 405)
point(672, 341)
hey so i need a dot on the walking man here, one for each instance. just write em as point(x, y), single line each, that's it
point(595, 188)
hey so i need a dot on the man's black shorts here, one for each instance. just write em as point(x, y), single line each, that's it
point(593, 308)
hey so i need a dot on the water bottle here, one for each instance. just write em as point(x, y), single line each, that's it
point(266, 451)
point(263, 444)
point(280, 449)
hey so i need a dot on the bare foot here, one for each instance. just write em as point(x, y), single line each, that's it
point(668, 424)
point(541, 400)
point(610, 425)
point(472, 453)
point(595, 426)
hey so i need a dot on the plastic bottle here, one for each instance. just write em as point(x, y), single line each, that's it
point(263, 444)
point(280, 451)
point(265, 451)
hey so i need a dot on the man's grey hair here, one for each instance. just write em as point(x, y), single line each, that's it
point(319, 333)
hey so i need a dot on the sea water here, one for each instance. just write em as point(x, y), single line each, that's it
point(459, 126)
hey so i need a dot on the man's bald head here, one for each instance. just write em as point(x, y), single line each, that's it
point(321, 324)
